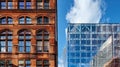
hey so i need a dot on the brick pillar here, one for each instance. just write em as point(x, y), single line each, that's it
point(33, 4)
point(15, 42)
point(33, 62)
point(33, 42)
point(15, 62)
point(52, 4)
point(15, 4)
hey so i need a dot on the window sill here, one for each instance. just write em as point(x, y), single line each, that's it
point(6, 24)
point(5, 52)
point(25, 24)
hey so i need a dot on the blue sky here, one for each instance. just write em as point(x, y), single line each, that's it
point(111, 15)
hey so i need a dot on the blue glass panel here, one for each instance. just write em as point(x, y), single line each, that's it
point(83, 41)
point(21, 20)
point(10, 20)
point(27, 61)
point(28, 5)
point(21, 43)
point(21, 5)
point(2, 43)
point(21, 49)
point(10, 5)
point(3, 5)
point(3, 21)
point(28, 20)
point(9, 49)
point(28, 43)
point(9, 43)
point(27, 49)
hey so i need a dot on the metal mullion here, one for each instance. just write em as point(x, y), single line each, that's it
point(24, 19)
point(6, 41)
point(6, 18)
point(42, 19)
point(43, 41)
point(24, 41)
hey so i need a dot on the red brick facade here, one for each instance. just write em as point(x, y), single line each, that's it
point(15, 27)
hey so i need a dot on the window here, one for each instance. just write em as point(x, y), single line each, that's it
point(25, 20)
point(24, 41)
point(39, 20)
point(42, 4)
point(24, 4)
point(5, 63)
point(6, 20)
point(42, 41)
point(28, 4)
point(24, 63)
point(42, 20)
point(46, 20)
point(42, 63)
point(46, 4)
point(6, 4)
point(6, 41)
point(3, 5)
point(10, 4)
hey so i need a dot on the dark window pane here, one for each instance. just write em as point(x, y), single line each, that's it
point(3, 21)
point(46, 20)
point(46, 4)
point(28, 20)
point(21, 20)
point(46, 62)
point(39, 20)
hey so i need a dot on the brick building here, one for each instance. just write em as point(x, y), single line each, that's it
point(28, 33)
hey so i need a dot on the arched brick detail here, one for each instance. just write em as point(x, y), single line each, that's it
point(24, 29)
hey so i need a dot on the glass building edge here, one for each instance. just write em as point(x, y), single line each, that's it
point(76, 25)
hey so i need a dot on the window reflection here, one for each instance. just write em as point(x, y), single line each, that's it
point(24, 41)
point(5, 41)
point(42, 41)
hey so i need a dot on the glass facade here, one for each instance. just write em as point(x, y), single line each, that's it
point(85, 40)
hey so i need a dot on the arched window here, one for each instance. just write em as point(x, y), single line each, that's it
point(6, 4)
point(6, 20)
point(28, 20)
point(25, 20)
point(42, 4)
point(6, 41)
point(24, 4)
point(46, 20)
point(42, 20)
point(39, 20)
point(42, 37)
point(24, 41)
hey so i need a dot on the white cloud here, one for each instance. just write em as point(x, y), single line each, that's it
point(86, 11)
point(60, 62)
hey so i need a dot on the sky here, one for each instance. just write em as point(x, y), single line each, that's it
point(78, 11)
